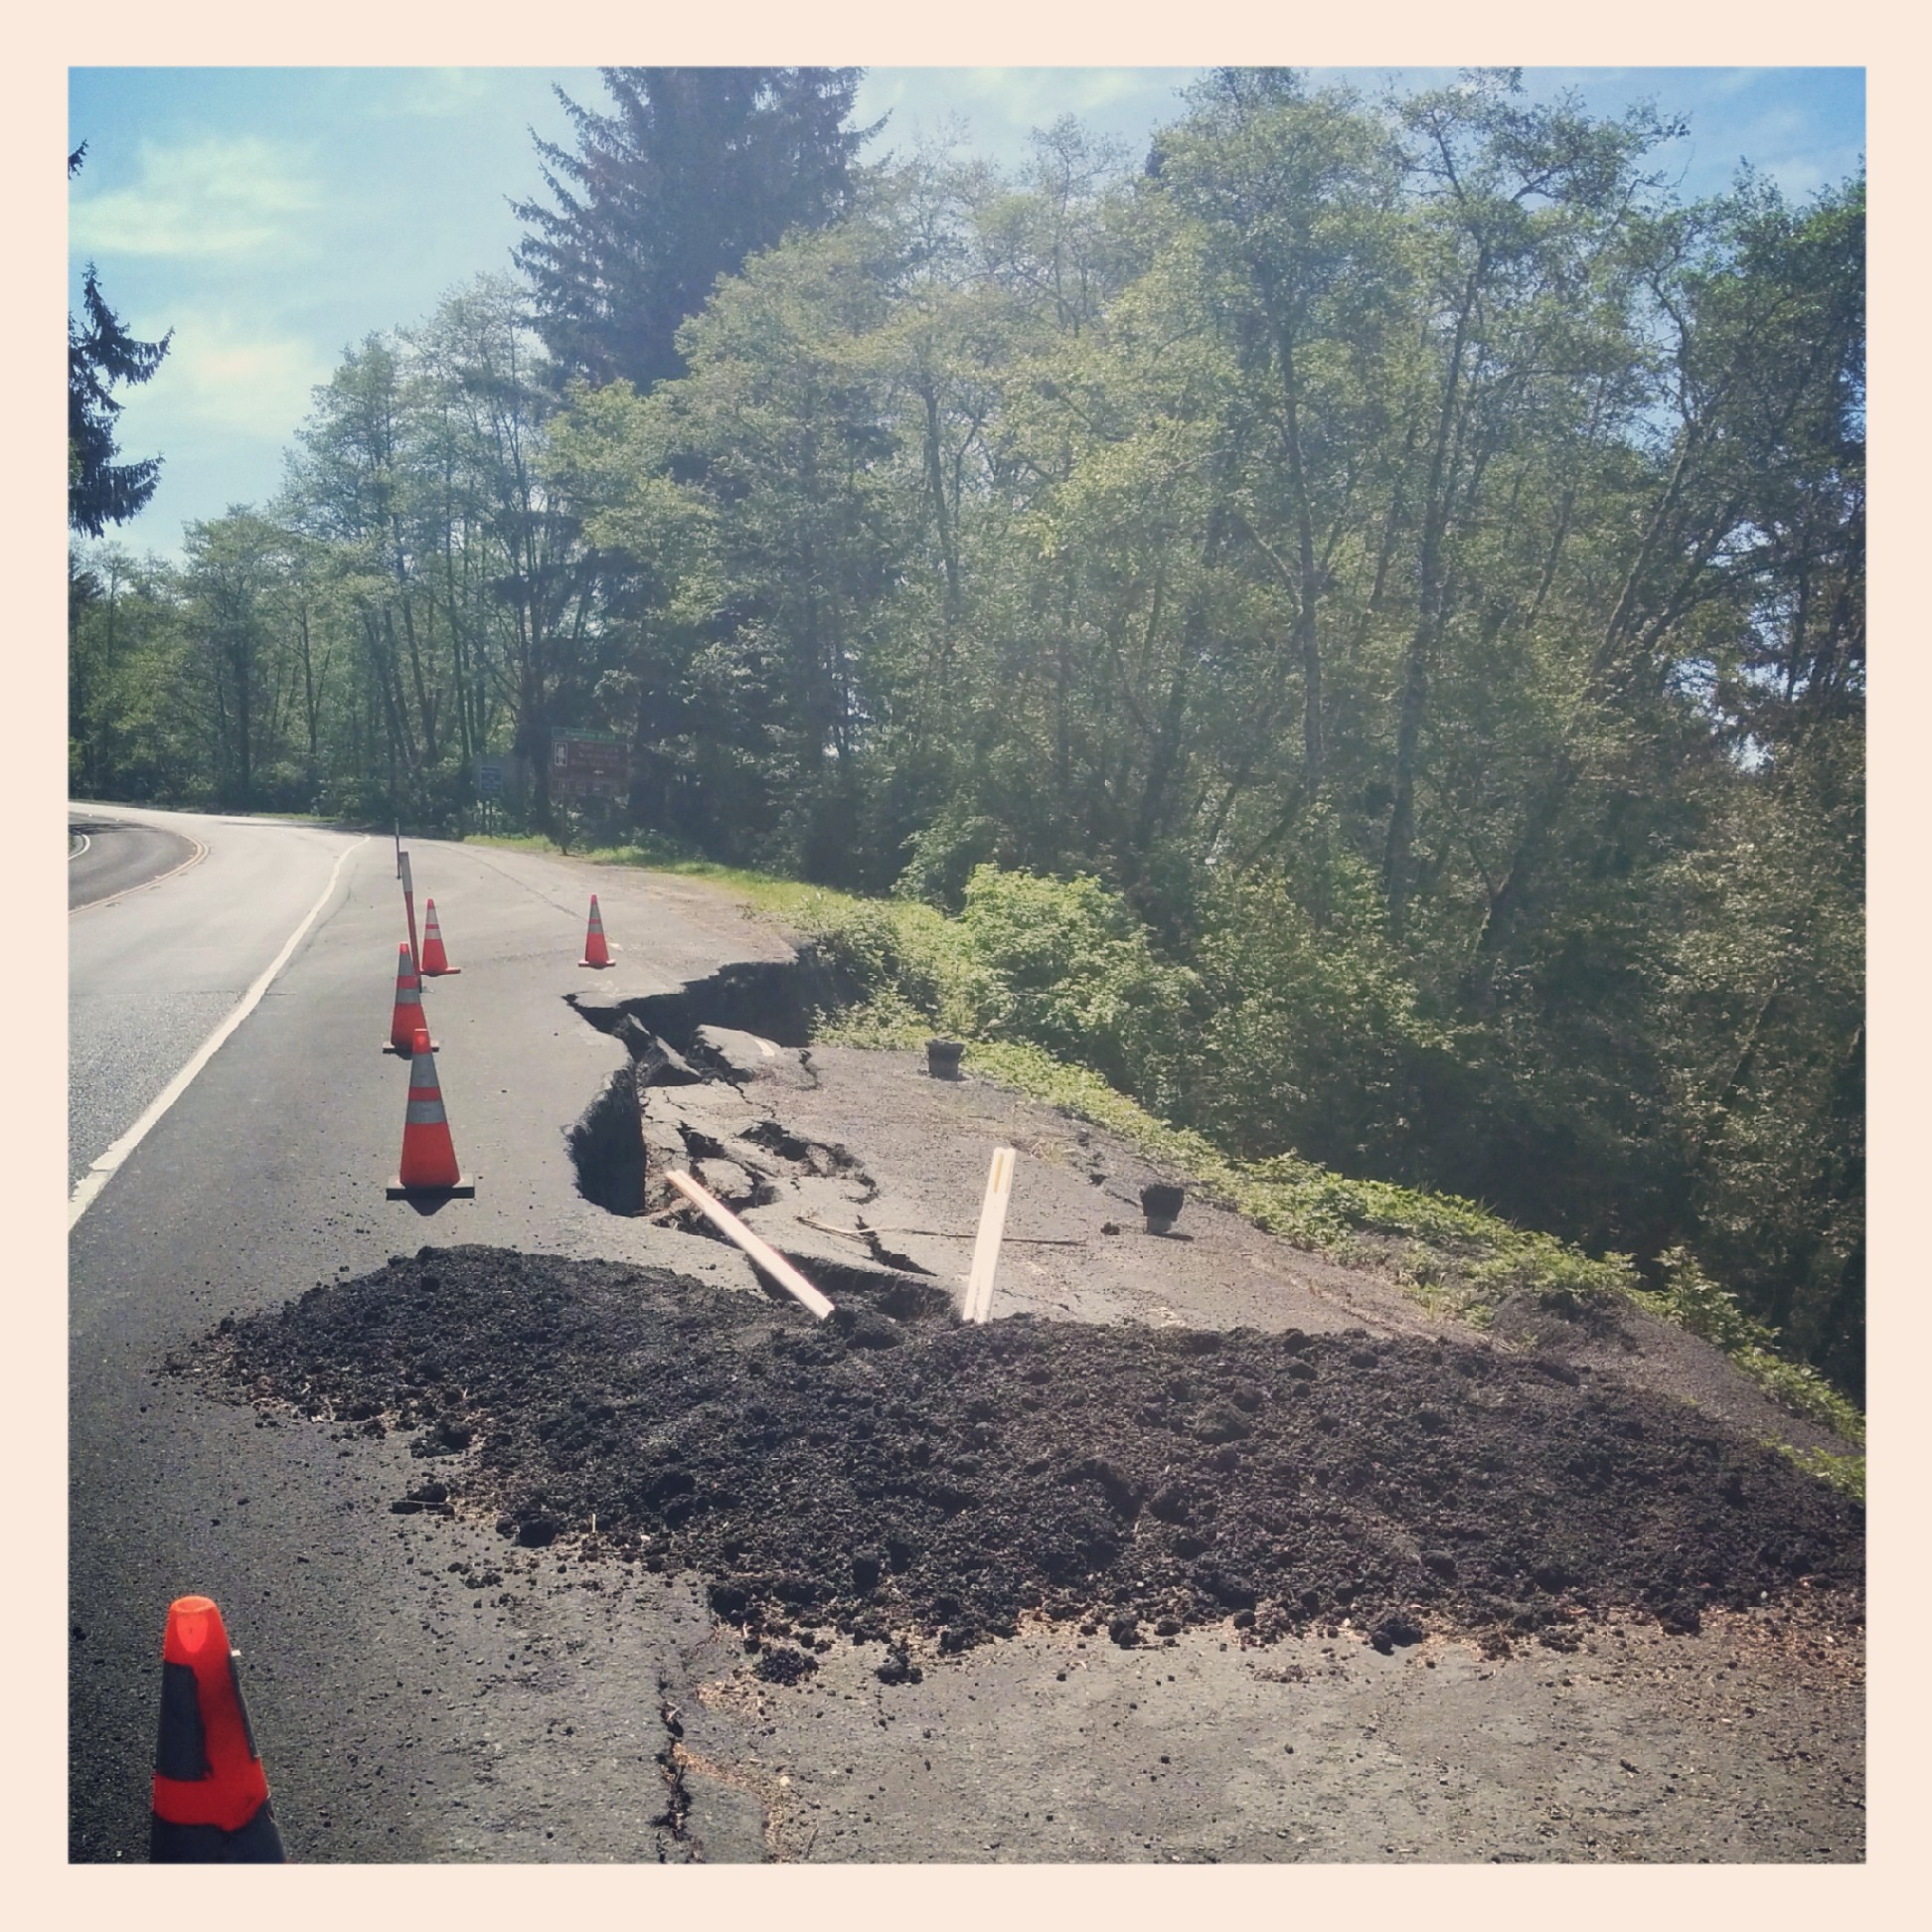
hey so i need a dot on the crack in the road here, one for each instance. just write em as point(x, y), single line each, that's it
point(638, 1122)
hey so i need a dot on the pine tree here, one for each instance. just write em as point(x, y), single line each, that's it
point(100, 354)
point(693, 170)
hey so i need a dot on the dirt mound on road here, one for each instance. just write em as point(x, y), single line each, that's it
point(879, 1476)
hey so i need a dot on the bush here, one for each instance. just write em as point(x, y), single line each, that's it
point(1312, 1039)
point(1080, 979)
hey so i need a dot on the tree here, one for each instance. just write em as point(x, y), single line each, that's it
point(695, 169)
point(235, 567)
point(100, 354)
point(1364, 615)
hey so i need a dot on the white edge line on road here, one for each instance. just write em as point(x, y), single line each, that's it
point(114, 898)
point(86, 842)
point(102, 1170)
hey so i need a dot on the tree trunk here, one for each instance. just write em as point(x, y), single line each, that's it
point(1428, 623)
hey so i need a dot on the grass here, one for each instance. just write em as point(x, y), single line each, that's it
point(780, 897)
point(1453, 1256)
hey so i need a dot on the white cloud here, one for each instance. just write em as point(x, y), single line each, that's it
point(216, 376)
point(1041, 95)
point(1000, 107)
point(434, 93)
point(208, 197)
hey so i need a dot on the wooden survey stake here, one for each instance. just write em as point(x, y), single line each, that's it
point(991, 1225)
point(762, 1252)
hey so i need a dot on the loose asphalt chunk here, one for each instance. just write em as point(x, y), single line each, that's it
point(932, 1484)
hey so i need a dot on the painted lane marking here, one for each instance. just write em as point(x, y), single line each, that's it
point(103, 1169)
point(77, 850)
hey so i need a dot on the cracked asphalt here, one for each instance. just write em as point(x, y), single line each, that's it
point(423, 1692)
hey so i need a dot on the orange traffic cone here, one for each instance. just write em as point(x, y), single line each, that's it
point(435, 962)
point(429, 1164)
point(211, 1795)
point(596, 952)
point(406, 1019)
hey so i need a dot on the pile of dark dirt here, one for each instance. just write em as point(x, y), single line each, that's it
point(884, 1478)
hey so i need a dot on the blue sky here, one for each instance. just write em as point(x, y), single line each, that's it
point(272, 217)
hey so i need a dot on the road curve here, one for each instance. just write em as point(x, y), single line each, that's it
point(158, 960)
point(121, 856)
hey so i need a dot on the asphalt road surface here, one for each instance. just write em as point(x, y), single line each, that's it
point(266, 1174)
point(423, 1692)
point(109, 856)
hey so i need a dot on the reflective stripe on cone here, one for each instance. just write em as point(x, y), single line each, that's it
point(406, 1018)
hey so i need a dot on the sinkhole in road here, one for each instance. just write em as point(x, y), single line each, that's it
point(931, 1483)
point(679, 1102)
point(775, 999)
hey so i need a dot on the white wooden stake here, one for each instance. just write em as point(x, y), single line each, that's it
point(762, 1252)
point(991, 1225)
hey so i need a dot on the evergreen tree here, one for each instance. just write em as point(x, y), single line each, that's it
point(100, 353)
point(693, 170)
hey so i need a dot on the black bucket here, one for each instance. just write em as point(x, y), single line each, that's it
point(942, 1059)
point(1161, 1205)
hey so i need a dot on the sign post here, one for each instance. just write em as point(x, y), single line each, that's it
point(409, 905)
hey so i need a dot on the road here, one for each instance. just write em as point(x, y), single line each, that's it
point(425, 1692)
point(265, 1174)
point(109, 856)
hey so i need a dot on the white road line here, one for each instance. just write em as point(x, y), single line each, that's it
point(86, 842)
point(102, 1170)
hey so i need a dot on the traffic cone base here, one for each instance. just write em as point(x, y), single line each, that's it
point(211, 1795)
point(435, 962)
point(403, 1052)
point(457, 1190)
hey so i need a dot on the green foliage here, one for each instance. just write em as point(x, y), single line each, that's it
point(1313, 1037)
point(1359, 611)
point(101, 356)
point(1041, 967)
point(1045, 970)
point(1079, 977)
point(692, 170)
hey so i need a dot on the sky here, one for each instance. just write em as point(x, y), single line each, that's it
point(274, 216)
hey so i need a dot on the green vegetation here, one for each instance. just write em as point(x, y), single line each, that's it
point(998, 976)
point(1044, 979)
point(1690, 1299)
point(785, 898)
point(104, 357)
point(1347, 627)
